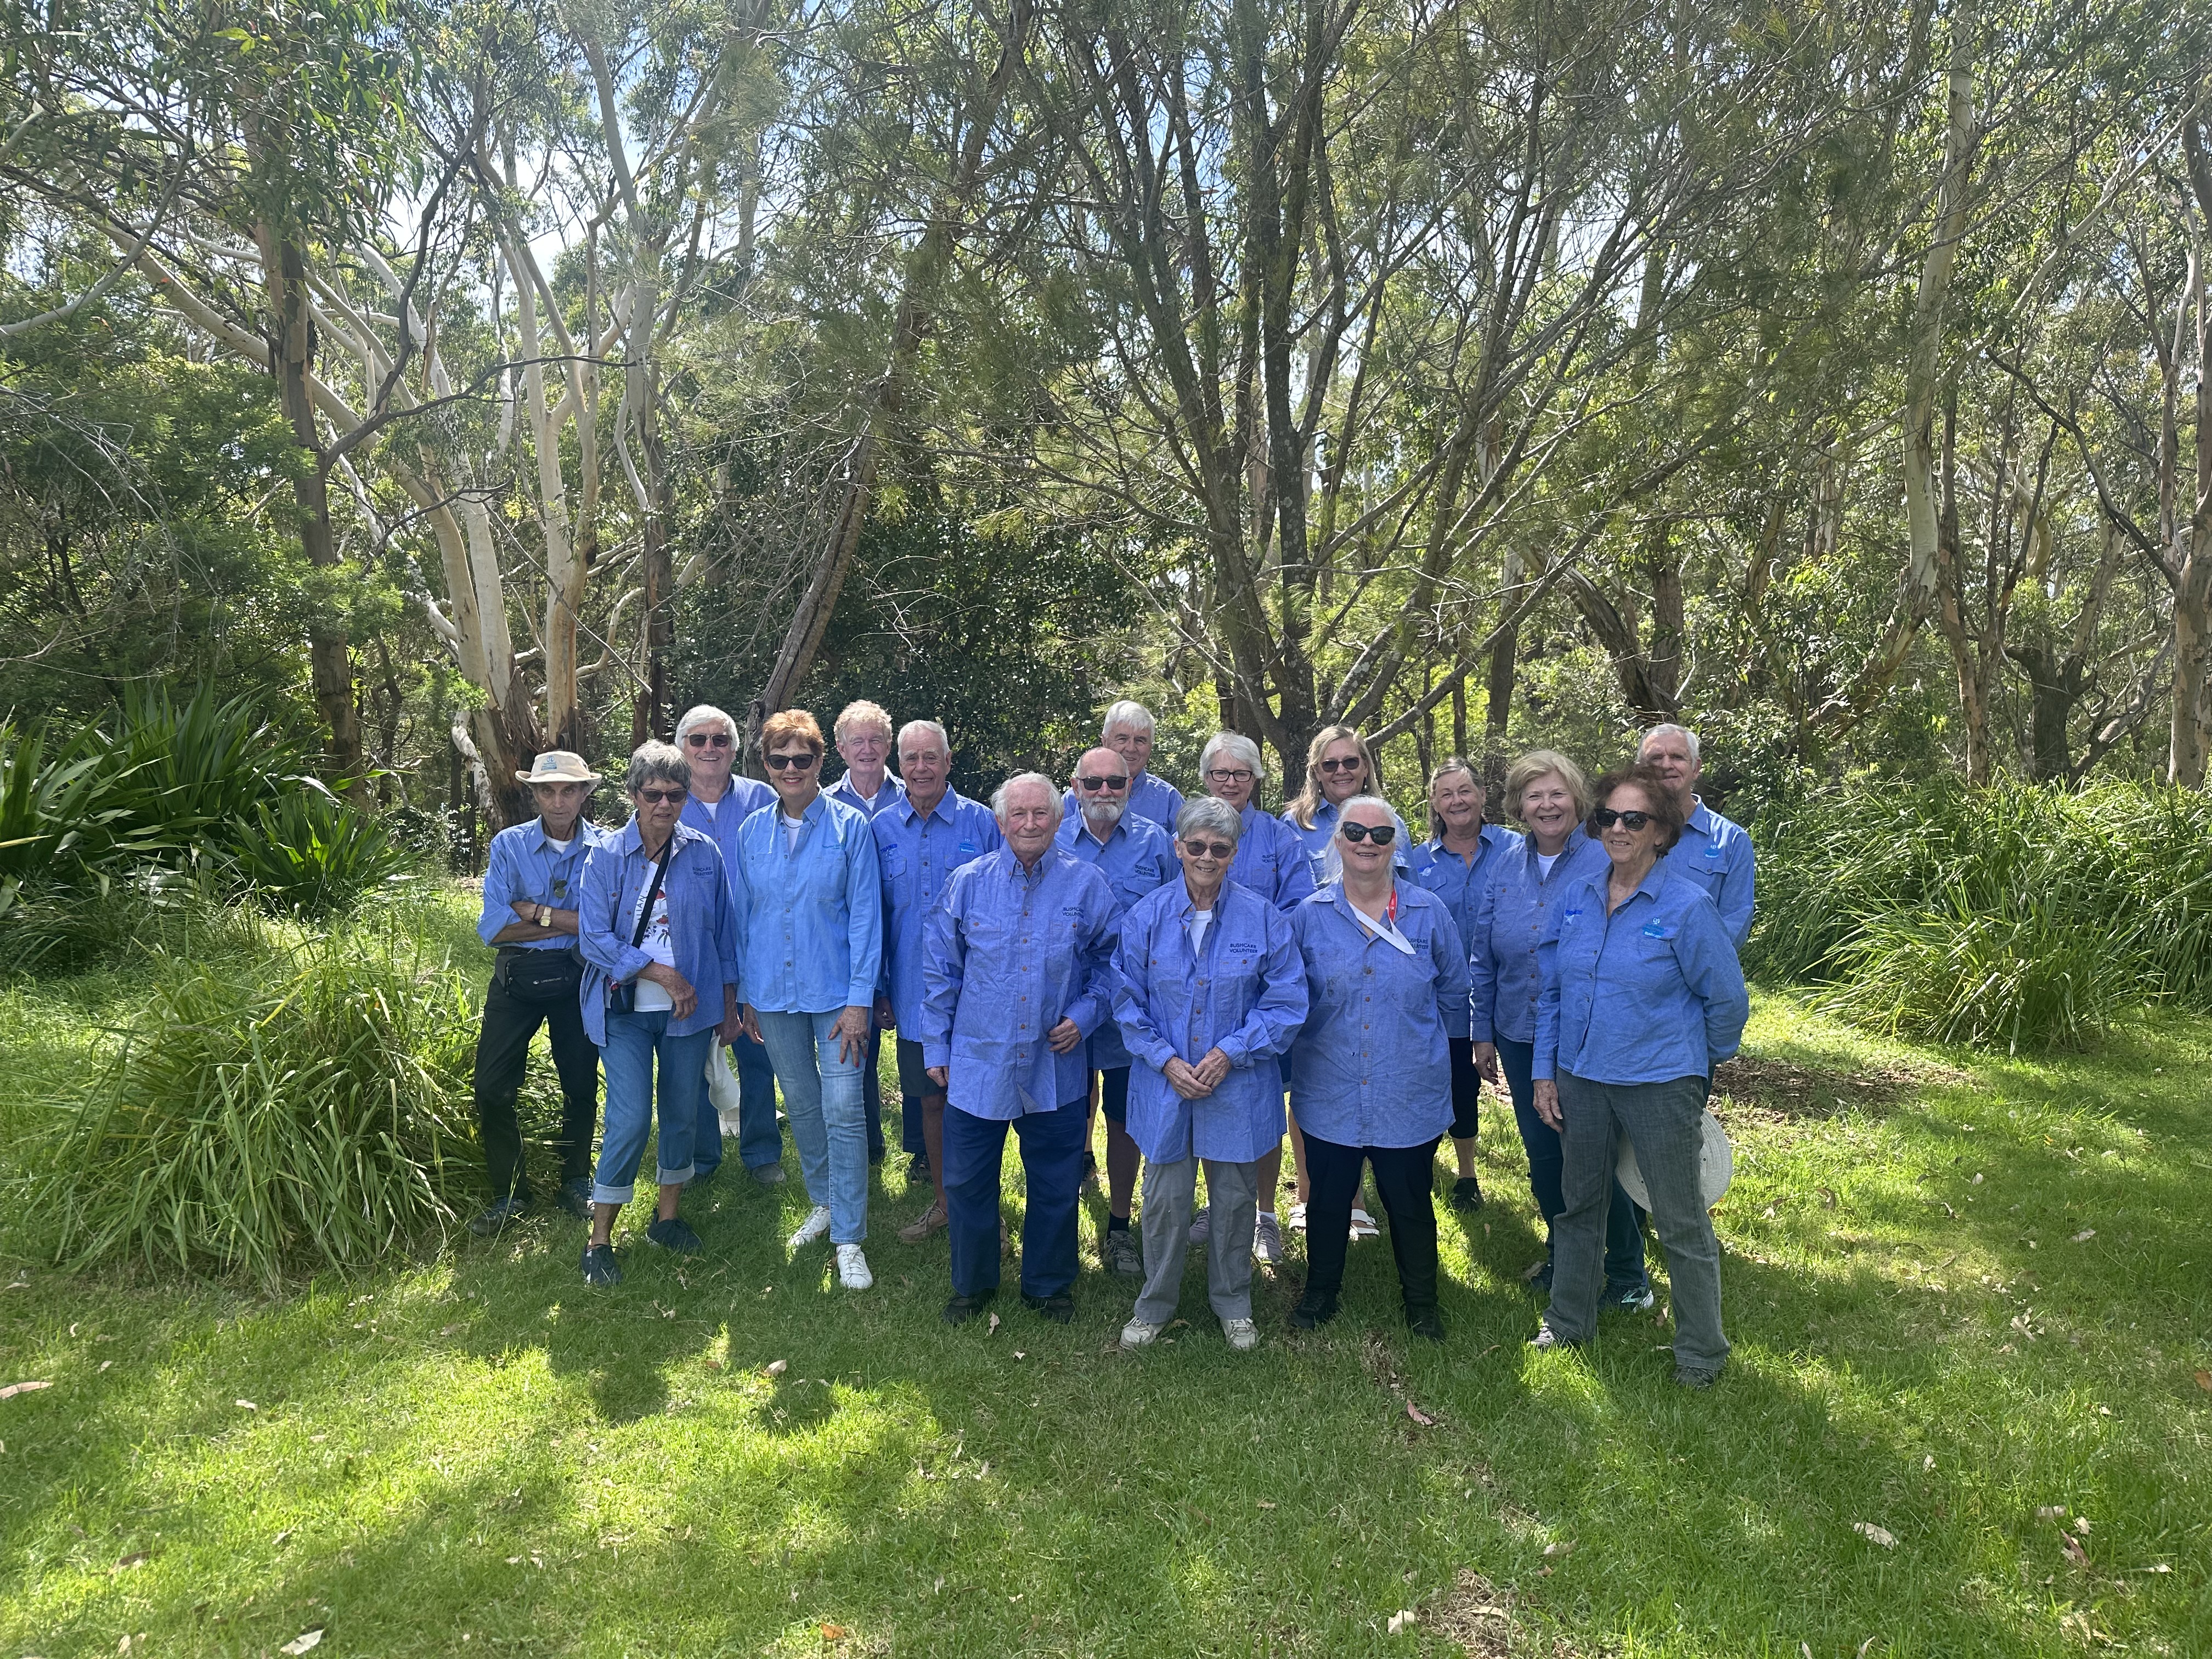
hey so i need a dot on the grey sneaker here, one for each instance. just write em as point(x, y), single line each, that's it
point(1118, 1253)
point(768, 1175)
point(1630, 1298)
point(1243, 1335)
point(1136, 1333)
point(1201, 1225)
point(1267, 1239)
point(1547, 1341)
point(1697, 1376)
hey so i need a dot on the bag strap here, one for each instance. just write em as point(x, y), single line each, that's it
point(652, 892)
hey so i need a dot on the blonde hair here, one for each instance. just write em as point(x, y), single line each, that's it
point(1444, 770)
point(1544, 763)
point(1307, 801)
point(862, 712)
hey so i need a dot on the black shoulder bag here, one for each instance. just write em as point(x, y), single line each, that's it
point(622, 998)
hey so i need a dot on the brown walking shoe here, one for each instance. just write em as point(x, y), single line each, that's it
point(932, 1220)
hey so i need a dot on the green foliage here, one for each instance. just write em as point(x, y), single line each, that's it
point(313, 854)
point(2018, 914)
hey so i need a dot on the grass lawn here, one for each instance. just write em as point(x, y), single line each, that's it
point(1967, 1296)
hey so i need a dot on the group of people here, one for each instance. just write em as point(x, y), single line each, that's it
point(1176, 965)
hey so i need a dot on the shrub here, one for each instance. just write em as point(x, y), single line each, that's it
point(312, 854)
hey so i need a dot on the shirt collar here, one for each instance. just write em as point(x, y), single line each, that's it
point(909, 811)
point(1701, 817)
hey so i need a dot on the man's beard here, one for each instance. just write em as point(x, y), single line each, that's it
point(1104, 815)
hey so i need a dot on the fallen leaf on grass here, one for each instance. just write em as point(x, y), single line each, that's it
point(457, 1325)
point(1875, 1534)
point(304, 1642)
point(248, 1406)
point(1403, 1620)
point(833, 1632)
point(2081, 1525)
point(280, 1538)
point(14, 1388)
point(777, 1367)
point(1828, 1196)
point(1267, 1503)
point(1019, 1354)
point(2156, 1566)
point(2084, 1235)
point(991, 1328)
point(138, 1558)
point(1419, 1416)
point(2205, 1381)
point(1563, 1547)
point(2051, 1512)
point(2075, 1552)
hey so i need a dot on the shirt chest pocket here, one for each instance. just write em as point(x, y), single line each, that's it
point(1654, 944)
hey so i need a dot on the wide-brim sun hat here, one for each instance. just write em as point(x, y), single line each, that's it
point(1716, 1166)
point(558, 766)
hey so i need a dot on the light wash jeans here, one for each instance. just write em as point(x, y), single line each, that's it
point(634, 1042)
point(829, 1123)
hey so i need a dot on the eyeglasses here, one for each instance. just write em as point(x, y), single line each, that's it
point(791, 763)
point(1223, 774)
point(1380, 834)
point(707, 740)
point(1210, 850)
point(1096, 784)
point(661, 797)
point(1605, 818)
point(1334, 766)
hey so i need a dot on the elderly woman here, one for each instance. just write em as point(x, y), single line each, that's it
point(1210, 989)
point(659, 942)
point(812, 921)
point(1642, 998)
point(1454, 864)
point(1513, 905)
point(1371, 1073)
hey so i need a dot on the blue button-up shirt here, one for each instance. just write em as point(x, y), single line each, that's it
point(811, 918)
point(1371, 1068)
point(1459, 882)
point(743, 797)
point(1153, 799)
point(701, 925)
point(1647, 994)
point(525, 866)
point(1271, 860)
point(890, 794)
point(1320, 860)
point(1244, 992)
point(1716, 852)
point(1137, 860)
point(1513, 907)
point(1012, 953)
point(915, 856)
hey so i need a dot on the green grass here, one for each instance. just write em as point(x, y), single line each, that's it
point(466, 1453)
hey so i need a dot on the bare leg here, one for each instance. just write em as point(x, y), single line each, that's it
point(1463, 1147)
point(1303, 1178)
point(1121, 1161)
point(1269, 1176)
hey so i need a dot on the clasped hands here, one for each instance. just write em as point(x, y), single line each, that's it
point(1196, 1082)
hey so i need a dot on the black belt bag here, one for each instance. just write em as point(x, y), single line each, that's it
point(541, 976)
point(621, 998)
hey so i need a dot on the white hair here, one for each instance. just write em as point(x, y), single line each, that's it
point(1237, 747)
point(1209, 812)
point(1134, 715)
point(1344, 811)
point(928, 728)
point(862, 714)
point(1668, 729)
point(706, 714)
point(998, 795)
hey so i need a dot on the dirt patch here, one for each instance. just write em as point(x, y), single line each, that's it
point(1479, 1617)
point(1784, 1088)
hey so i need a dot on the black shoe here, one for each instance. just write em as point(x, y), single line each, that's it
point(1630, 1299)
point(1539, 1278)
point(1314, 1308)
point(1425, 1321)
point(1466, 1193)
point(1696, 1376)
point(1060, 1309)
point(514, 1208)
point(600, 1269)
point(961, 1308)
point(704, 1177)
point(576, 1197)
point(917, 1171)
point(674, 1234)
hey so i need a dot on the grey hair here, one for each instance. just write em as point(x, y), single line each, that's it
point(1206, 812)
point(861, 713)
point(1344, 811)
point(1668, 729)
point(706, 714)
point(655, 761)
point(1236, 746)
point(998, 795)
point(932, 728)
point(1134, 715)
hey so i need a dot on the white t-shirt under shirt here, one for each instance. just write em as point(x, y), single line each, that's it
point(559, 846)
point(712, 806)
point(1199, 922)
point(792, 829)
point(660, 947)
point(1544, 863)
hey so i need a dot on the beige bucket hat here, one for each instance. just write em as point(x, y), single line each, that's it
point(558, 766)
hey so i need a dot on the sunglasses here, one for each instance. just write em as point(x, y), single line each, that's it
point(1605, 818)
point(661, 797)
point(707, 740)
point(1381, 833)
point(1222, 775)
point(1352, 765)
point(1209, 849)
point(791, 763)
point(1096, 784)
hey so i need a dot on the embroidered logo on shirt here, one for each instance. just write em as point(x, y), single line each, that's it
point(1657, 930)
point(1713, 850)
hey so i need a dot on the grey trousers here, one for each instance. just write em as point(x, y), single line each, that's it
point(1232, 1193)
point(1662, 1123)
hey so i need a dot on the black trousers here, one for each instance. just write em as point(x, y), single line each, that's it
point(1402, 1177)
point(502, 1055)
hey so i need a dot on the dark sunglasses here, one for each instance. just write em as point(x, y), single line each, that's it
point(1381, 833)
point(791, 763)
point(1215, 849)
point(1605, 818)
point(661, 797)
point(707, 740)
point(1352, 765)
point(1096, 784)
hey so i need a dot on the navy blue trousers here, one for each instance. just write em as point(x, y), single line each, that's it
point(1052, 1161)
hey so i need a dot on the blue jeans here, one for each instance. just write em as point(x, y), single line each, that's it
point(634, 1042)
point(1624, 1231)
point(1052, 1165)
point(822, 1097)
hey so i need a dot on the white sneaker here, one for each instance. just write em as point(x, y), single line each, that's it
point(1362, 1225)
point(1137, 1333)
point(1201, 1225)
point(1243, 1335)
point(1267, 1239)
point(817, 1226)
point(852, 1268)
point(1298, 1217)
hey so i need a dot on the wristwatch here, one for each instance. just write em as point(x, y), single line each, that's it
point(545, 915)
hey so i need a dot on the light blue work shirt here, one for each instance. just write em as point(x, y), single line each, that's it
point(1458, 881)
point(1244, 992)
point(916, 853)
point(1647, 994)
point(890, 794)
point(1513, 906)
point(1137, 860)
point(741, 800)
point(810, 917)
point(1372, 1067)
point(1321, 861)
point(525, 866)
point(1150, 799)
point(702, 924)
point(1012, 953)
point(1271, 860)
point(1716, 852)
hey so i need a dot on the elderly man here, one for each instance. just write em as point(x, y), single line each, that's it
point(1018, 973)
point(721, 801)
point(1127, 731)
point(921, 840)
point(1137, 857)
point(1713, 852)
point(863, 736)
point(530, 892)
